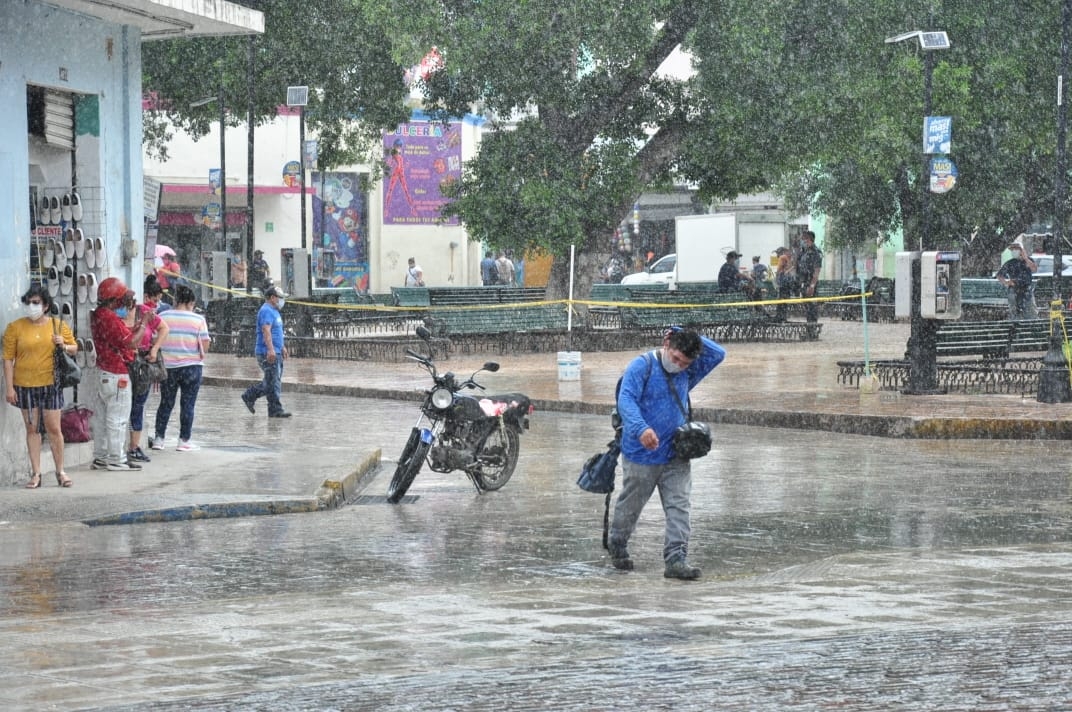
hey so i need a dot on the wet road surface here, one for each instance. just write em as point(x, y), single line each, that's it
point(839, 571)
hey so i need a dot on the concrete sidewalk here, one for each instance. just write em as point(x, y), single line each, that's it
point(785, 385)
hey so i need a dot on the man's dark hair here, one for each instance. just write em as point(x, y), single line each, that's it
point(686, 341)
point(808, 234)
point(184, 295)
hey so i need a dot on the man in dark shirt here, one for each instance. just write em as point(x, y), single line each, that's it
point(258, 271)
point(809, 265)
point(1016, 275)
point(730, 277)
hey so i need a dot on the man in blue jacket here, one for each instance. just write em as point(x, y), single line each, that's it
point(650, 414)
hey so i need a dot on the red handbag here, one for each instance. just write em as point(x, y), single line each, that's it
point(74, 424)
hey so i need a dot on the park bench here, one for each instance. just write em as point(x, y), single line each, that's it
point(475, 296)
point(684, 308)
point(1000, 348)
point(410, 297)
point(880, 303)
point(607, 316)
point(447, 323)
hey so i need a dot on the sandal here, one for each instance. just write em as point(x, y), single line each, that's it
point(35, 481)
point(63, 480)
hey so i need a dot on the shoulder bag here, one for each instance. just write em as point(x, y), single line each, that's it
point(66, 370)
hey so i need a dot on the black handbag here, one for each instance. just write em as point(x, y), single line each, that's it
point(143, 373)
point(66, 370)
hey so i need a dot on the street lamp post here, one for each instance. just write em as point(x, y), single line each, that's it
point(223, 164)
point(299, 97)
point(922, 342)
point(1053, 377)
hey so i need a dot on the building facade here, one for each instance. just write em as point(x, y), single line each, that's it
point(70, 79)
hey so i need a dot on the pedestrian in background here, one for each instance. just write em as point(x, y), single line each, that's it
point(30, 375)
point(115, 344)
point(505, 268)
point(1017, 275)
point(414, 274)
point(785, 280)
point(654, 388)
point(259, 272)
point(488, 273)
point(270, 352)
point(155, 331)
point(809, 265)
point(183, 351)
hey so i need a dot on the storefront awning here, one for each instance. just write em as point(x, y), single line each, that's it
point(165, 19)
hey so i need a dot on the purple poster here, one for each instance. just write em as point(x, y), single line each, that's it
point(420, 156)
point(340, 224)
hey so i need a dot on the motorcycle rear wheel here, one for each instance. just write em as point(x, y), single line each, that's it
point(497, 459)
point(409, 464)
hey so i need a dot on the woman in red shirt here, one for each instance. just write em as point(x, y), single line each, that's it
point(114, 343)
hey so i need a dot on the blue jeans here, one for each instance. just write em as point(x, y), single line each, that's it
point(271, 387)
point(674, 481)
point(188, 380)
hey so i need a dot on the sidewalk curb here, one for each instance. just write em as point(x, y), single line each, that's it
point(898, 427)
point(332, 494)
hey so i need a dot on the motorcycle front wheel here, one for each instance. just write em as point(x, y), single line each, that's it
point(409, 464)
point(497, 459)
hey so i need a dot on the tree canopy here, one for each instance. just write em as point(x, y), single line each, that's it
point(803, 95)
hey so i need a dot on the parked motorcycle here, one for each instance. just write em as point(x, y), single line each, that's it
point(479, 436)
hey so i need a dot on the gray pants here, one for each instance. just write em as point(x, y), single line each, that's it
point(674, 481)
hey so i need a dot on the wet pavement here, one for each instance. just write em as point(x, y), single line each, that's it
point(844, 571)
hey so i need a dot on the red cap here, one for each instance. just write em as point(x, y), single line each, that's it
point(111, 288)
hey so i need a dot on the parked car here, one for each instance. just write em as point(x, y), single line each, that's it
point(661, 272)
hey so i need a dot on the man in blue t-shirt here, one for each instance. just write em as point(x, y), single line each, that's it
point(270, 353)
point(651, 403)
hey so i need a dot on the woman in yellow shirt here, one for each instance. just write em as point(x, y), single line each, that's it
point(29, 375)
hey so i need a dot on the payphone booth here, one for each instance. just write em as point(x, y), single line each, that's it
point(939, 276)
point(940, 285)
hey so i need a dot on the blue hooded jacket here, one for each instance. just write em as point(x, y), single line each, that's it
point(653, 406)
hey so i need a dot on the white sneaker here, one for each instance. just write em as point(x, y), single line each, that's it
point(156, 443)
point(186, 446)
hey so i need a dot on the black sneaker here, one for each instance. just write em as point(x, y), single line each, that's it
point(280, 414)
point(138, 455)
point(99, 464)
point(249, 404)
point(679, 568)
point(619, 559)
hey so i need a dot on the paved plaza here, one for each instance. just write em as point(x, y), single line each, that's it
point(846, 571)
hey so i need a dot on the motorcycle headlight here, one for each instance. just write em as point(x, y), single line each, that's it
point(442, 398)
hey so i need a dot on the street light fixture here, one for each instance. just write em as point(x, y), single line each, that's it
point(223, 161)
point(299, 97)
point(922, 343)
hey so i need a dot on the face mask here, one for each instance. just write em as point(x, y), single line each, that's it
point(668, 365)
point(121, 312)
point(281, 303)
point(34, 311)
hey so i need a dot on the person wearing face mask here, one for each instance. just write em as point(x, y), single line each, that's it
point(654, 389)
point(29, 346)
point(115, 344)
point(153, 335)
point(270, 352)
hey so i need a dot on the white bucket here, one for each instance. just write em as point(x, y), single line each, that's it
point(569, 365)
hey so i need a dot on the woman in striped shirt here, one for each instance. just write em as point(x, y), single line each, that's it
point(184, 353)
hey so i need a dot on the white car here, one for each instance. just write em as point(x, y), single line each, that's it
point(1045, 265)
point(662, 272)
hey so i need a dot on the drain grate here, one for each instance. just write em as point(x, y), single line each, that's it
point(382, 499)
